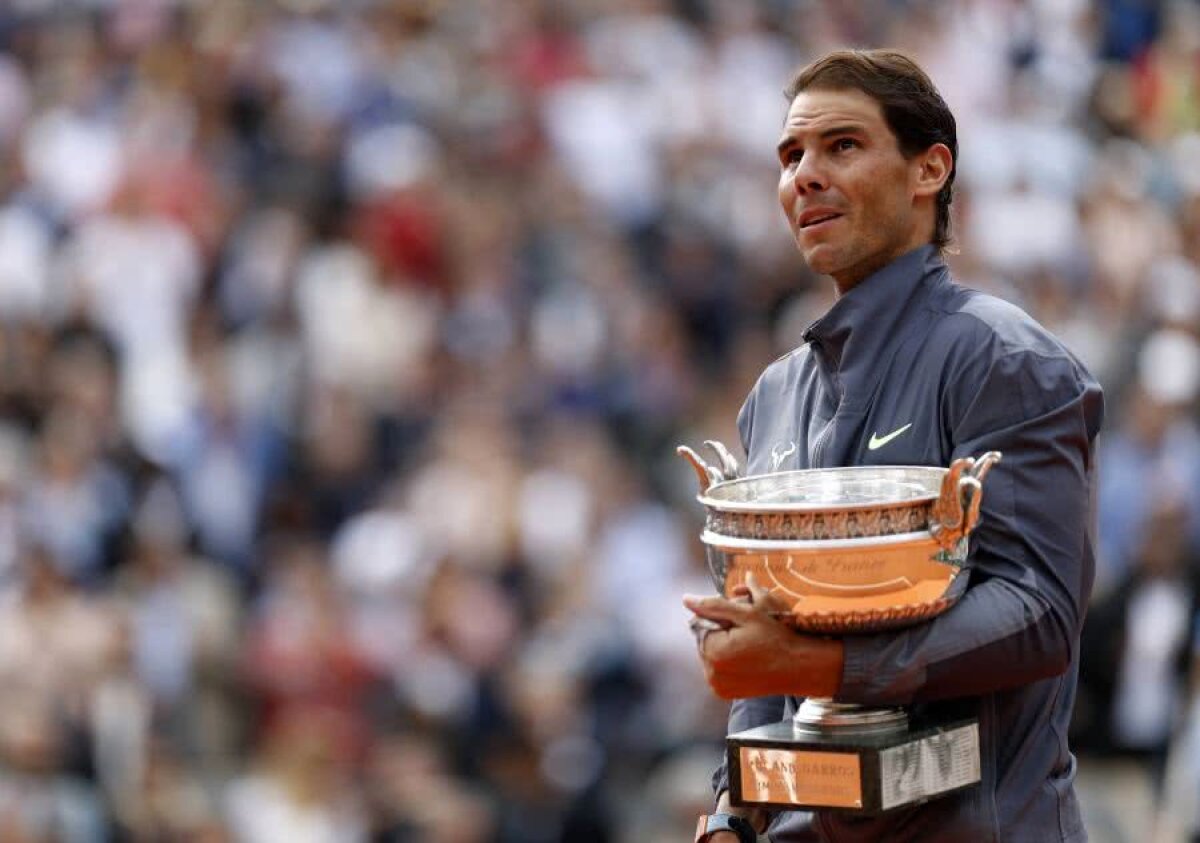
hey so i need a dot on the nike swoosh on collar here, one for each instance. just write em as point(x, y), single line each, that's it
point(880, 441)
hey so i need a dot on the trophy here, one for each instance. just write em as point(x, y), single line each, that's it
point(847, 550)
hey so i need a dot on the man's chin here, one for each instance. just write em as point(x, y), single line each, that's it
point(822, 259)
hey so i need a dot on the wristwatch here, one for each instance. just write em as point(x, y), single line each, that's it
point(708, 824)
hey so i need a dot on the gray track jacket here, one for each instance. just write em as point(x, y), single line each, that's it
point(909, 368)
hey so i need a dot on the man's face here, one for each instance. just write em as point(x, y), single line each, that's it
point(847, 191)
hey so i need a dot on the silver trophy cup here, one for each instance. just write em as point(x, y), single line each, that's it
point(846, 550)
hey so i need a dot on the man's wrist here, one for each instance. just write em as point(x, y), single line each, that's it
point(710, 824)
point(757, 817)
point(813, 665)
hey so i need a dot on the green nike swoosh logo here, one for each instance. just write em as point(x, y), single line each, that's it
point(880, 441)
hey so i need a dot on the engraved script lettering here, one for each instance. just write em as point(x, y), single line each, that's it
point(856, 566)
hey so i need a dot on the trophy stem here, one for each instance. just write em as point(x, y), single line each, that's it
point(821, 714)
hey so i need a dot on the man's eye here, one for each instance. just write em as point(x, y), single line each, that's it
point(793, 156)
point(842, 144)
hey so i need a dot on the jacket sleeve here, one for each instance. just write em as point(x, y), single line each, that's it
point(1032, 554)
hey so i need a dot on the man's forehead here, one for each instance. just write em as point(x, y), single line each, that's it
point(817, 109)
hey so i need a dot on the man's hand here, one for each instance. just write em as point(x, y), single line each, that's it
point(748, 652)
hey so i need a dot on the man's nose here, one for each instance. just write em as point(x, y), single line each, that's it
point(809, 176)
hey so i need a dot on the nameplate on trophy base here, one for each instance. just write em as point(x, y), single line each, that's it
point(777, 766)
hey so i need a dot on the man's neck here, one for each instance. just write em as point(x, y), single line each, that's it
point(844, 282)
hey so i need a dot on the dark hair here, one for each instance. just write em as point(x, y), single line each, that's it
point(912, 106)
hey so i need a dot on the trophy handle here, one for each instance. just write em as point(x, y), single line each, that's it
point(956, 511)
point(706, 474)
point(984, 464)
point(729, 464)
point(709, 474)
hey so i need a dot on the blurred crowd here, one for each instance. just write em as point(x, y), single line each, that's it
point(344, 347)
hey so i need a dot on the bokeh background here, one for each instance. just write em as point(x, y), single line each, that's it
point(344, 347)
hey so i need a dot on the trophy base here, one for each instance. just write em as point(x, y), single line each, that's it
point(861, 767)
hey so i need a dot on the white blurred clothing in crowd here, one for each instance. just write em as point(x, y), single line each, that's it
point(1022, 231)
point(74, 162)
point(137, 277)
point(25, 257)
point(609, 121)
point(262, 810)
point(357, 332)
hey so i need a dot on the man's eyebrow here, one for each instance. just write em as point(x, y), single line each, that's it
point(843, 129)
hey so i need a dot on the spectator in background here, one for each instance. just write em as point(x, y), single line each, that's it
point(1153, 456)
point(39, 799)
point(1139, 642)
point(182, 613)
point(77, 500)
point(299, 788)
point(299, 652)
point(416, 795)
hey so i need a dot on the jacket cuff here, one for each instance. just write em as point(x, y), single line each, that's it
point(720, 782)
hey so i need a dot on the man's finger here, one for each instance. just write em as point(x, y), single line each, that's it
point(764, 599)
point(719, 609)
point(761, 596)
point(757, 593)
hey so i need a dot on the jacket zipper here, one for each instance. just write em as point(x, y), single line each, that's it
point(823, 436)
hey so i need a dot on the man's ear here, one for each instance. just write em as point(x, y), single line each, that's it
point(933, 169)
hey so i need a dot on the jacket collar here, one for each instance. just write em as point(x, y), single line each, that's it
point(854, 335)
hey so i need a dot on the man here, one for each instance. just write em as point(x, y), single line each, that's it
point(909, 368)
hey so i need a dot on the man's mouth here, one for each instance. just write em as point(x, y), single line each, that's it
point(809, 222)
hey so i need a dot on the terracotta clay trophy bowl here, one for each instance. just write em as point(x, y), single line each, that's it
point(845, 550)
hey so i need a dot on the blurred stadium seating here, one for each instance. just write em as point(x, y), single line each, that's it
point(344, 347)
